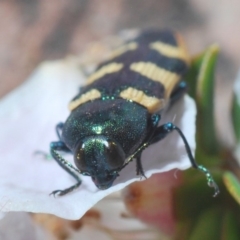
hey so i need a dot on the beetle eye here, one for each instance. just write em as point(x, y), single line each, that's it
point(79, 158)
point(115, 156)
point(98, 153)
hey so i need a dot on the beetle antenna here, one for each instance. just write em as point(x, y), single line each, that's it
point(174, 118)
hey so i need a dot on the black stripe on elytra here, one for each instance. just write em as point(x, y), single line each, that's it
point(145, 54)
point(112, 84)
point(149, 36)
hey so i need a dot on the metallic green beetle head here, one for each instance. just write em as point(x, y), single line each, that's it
point(101, 158)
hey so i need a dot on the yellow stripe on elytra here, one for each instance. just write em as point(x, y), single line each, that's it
point(179, 52)
point(125, 48)
point(153, 104)
point(107, 69)
point(88, 96)
point(155, 73)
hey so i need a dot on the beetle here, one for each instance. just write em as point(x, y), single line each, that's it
point(116, 114)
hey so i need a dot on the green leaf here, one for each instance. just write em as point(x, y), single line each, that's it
point(196, 190)
point(233, 185)
point(183, 229)
point(230, 226)
point(200, 79)
point(206, 136)
point(208, 225)
point(205, 81)
point(192, 74)
point(236, 116)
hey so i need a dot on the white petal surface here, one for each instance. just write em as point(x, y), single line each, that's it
point(20, 226)
point(114, 223)
point(28, 116)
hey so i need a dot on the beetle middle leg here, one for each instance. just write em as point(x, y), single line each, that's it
point(68, 167)
point(139, 168)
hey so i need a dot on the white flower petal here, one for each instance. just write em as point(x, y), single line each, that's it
point(19, 226)
point(114, 223)
point(28, 117)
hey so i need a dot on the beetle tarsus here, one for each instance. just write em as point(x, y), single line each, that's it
point(210, 180)
point(65, 191)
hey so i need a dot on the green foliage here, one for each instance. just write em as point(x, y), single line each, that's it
point(207, 225)
point(230, 226)
point(199, 215)
point(201, 83)
point(232, 184)
point(236, 116)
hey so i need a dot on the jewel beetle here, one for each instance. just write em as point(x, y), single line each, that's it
point(116, 114)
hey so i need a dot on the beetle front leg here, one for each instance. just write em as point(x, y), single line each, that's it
point(58, 129)
point(163, 130)
point(68, 167)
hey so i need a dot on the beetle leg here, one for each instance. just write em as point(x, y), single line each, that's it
point(163, 130)
point(178, 92)
point(47, 156)
point(59, 128)
point(68, 167)
point(139, 168)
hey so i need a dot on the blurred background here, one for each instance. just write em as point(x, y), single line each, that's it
point(32, 31)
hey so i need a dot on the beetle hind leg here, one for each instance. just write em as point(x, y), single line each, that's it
point(178, 92)
point(67, 166)
point(163, 130)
